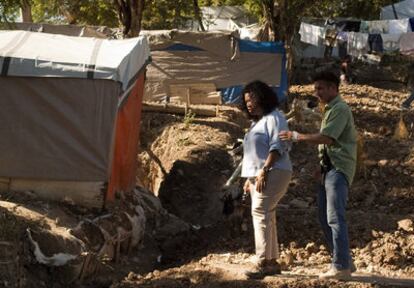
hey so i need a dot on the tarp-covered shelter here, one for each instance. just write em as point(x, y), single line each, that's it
point(400, 10)
point(220, 58)
point(65, 29)
point(70, 110)
point(225, 17)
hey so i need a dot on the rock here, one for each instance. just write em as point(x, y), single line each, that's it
point(131, 276)
point(287, 258)
point(383, 163)
point(311, 248)
point(297, 203)
point(406, 225)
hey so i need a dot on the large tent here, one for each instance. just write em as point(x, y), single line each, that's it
point(70, 110)
point(220, 58)
point(401, 10)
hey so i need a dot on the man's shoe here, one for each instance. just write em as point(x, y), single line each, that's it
point(263, 270)
point(334, 273)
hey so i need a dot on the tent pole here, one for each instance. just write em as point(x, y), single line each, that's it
point(395, 11)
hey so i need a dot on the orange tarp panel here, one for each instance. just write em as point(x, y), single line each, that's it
point(124, 164)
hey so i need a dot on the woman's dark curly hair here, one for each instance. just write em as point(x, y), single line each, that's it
point(265, 96)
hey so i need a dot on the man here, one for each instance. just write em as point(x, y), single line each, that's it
point(337, 151)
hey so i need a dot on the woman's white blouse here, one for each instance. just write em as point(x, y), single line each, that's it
point(261, 139)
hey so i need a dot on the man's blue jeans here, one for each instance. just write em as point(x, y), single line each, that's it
point(332, 198)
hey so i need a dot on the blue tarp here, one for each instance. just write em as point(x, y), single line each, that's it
point(181, 47)
point(233, 94)
point(261, 47)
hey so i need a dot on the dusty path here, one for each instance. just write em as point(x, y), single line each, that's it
point(227, 270)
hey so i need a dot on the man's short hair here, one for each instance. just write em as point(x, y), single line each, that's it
point(327, 76)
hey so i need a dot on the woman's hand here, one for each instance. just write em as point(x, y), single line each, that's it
point(261, 181)
point(246, 186)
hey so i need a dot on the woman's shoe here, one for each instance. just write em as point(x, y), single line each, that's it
point(267, 268)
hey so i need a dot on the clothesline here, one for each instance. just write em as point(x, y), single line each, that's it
point(362, 37)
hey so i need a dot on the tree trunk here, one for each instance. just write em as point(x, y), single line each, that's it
point(130, 14)
point(26, 11)
point(198, 15)
point(137, 11)
point(124, 14)
point(268, 14)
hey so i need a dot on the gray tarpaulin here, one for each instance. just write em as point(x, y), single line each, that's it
point(201, 65)
point(216, 59)
point(56, 128)
point(50, 55)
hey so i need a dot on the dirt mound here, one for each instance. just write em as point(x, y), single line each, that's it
point(185, 160)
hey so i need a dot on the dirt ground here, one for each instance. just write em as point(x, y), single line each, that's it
point(189, 242)
point(380, 204)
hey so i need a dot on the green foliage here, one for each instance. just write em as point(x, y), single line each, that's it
point(189, 118)
point(9, 10)
point(168, 14)
point(90, 12)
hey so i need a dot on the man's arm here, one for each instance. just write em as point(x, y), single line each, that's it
point(316, 138)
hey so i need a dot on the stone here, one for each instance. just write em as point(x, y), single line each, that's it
point(383, 163)
point(406, 225)
point(311, 248)
point(297, 203)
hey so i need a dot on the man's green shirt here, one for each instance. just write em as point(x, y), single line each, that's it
point(338, 124)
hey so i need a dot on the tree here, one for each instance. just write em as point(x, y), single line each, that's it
point(26, 7)
point(198, 16)
point(84, 12)
point(130, 13)
point(167, 14)
point(9, 10)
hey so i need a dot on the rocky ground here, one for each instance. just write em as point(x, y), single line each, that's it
point(189, 242)
point(380, 205)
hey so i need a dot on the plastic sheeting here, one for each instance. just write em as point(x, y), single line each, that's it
point(233, 95)
point(224, 60)
point(403, 9)
point(32, 54)
point(57, 129)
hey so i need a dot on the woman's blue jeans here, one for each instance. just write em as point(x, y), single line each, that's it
point(332, 198)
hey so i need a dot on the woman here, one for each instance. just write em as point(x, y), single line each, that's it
point(268, 170)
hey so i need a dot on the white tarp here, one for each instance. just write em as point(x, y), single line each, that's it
point(403, 9)
point(312, 34)
point(32, 54)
